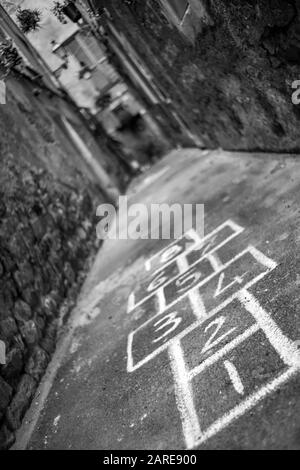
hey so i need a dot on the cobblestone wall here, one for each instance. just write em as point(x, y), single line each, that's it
point(46, 236)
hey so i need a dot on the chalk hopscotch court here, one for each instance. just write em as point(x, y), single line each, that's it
point(205, 317)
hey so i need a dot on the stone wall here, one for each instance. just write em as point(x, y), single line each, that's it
point(230, 74)
point(47, 233)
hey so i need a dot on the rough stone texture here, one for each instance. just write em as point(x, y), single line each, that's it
point(19, 403)
point(231, 77)
point(5, 395)
point(46, 236)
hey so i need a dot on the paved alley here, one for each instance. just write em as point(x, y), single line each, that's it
point(191, 343)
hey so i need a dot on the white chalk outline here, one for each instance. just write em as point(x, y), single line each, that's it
point(286, 349)
point(200, 314)
point(229, 223)
point(184, 395)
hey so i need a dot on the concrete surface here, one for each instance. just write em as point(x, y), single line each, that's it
point(210, 359)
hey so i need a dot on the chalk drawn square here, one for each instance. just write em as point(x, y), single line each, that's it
point(191, 278)
point(245, 271)
point(257, 364)
point(213, 241)
point(216, 332)
point(154, 336)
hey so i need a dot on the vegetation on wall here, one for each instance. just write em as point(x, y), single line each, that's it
point(58, 11)
point(29, 19)
point(9, 58)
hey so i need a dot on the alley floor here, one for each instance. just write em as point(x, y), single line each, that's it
point(208, 355)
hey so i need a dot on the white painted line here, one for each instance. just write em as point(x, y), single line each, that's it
point(184, 395)
point(162, 304)
point(197, 305)
point(130, 367)
point(131, 302)
point(148, 265)
point(262, 259)
point(234, 377)
point(182, 264)
point(226, 349)
point(246, 405)
point(195, 298)
point(215, 261)
point(286, 348)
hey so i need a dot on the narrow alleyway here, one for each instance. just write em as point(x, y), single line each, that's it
point(210, 358)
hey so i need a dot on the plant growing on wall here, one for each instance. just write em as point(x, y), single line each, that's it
point(28, 19)
point(9, 57)
point(58, 11)
point(66, 9)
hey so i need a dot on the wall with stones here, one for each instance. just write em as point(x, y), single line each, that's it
point(230, 77)
point(47, 234)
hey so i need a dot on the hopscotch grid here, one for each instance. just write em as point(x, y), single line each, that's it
point(130, 363)
point(286, 349)
point(229, 223)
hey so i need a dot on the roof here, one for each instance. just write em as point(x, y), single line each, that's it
point(67, 38)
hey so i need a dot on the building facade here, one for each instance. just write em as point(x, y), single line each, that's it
point(135, 71)
point(123, 95)
point(225, 68)
point(40, 123)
